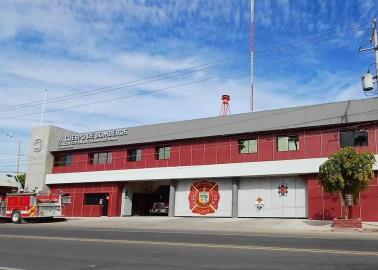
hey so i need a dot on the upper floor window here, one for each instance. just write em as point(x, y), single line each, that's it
point(134, 154)
point(353, 138)
point(288, 143)
point(100, 158)
point(63, 160)
point(248, 146)
point(163, 152)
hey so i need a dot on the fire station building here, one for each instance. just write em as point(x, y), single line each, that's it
point(260, 164)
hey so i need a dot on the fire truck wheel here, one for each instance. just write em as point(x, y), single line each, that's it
point(16, 217)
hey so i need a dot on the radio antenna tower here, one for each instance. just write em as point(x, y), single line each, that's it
point(252, 48)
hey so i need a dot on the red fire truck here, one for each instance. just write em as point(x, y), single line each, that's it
point(19, 206)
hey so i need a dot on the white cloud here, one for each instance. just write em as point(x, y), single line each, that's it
point(69, 46)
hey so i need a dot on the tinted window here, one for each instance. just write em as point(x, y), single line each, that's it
point(94, 198)
point(134, 154)
point(64, 160)
point(353, 138)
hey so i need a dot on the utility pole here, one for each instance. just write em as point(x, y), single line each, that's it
point(18, 152)
point(367, 78)
point(18, 157)
point(252, 48)
point(43, 107)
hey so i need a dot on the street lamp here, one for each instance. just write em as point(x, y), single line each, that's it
point(18, 152)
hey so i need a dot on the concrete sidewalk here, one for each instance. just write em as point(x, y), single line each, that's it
point(216, 225)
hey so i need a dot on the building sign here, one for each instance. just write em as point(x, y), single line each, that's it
point(259, 203)
point(91, 137)
point(283, 190)
point(204, 197)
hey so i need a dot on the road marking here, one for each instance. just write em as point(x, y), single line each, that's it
point(247, 234)
point(344, 236)
point(9, 268)
point(199, 245)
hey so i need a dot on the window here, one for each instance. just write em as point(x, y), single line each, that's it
point(353, 138)
point(163, 152)
point(134, 154)
point(288, 143)
point(100, 158)
point(63, 160)
point(247, 146)
point(94, 198)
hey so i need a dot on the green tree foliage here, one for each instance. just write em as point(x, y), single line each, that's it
point(21, 178)
point(347, 172)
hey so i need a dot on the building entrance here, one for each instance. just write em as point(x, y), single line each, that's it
point(148, 198)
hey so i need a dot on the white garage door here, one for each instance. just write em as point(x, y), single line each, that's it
point(272, 197)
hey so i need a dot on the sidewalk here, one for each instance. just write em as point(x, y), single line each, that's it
point(272, 226)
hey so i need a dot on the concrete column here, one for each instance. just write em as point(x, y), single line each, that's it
point(172, 194)
point(127, 200)
point(235, 189)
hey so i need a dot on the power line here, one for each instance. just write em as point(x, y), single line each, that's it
point(128, 96)
point(311, 51)
point(311, 37)
point(167, 88)
point(110, 88)
point(119, 86)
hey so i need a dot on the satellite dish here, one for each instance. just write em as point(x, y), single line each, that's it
point(367, 82)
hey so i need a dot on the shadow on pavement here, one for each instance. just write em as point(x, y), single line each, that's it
point(318, 222)
point(45, 220)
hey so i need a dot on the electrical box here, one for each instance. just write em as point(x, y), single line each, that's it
point(367, 82)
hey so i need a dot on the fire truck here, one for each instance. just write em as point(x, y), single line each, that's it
point(20, 206)
point(17, 205)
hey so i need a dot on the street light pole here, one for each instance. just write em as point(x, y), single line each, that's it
point(18, 153)
point(18, 156)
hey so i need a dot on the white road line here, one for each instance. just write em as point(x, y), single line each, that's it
point(9, 268)
point(197, 245)
point(220, 233)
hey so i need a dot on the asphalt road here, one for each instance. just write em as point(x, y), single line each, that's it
point(32, 246)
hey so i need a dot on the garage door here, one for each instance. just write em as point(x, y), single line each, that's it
point(272, 197)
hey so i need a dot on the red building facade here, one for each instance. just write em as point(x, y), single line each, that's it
point(310, 144)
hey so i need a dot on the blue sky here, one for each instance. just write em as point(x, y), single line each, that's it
point(305, 53)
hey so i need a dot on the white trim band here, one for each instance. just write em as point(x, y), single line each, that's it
point(262, 168)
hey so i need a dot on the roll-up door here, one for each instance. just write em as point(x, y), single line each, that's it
point(272, 197)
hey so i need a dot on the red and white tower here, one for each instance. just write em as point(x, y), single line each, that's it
point(225, 106)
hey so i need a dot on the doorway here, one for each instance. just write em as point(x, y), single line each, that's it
point(100, 199)
point(105, 204)
point(150, 198)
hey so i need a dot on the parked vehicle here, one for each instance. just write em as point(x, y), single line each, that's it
point(19, 206)
point(159, 208)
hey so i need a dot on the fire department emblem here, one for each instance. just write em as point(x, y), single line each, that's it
point(259, 203)
point(37, 145)
point(283, 190)
point(204, 197)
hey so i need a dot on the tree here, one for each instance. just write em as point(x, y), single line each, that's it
point(21, 179)
point(347, 172)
